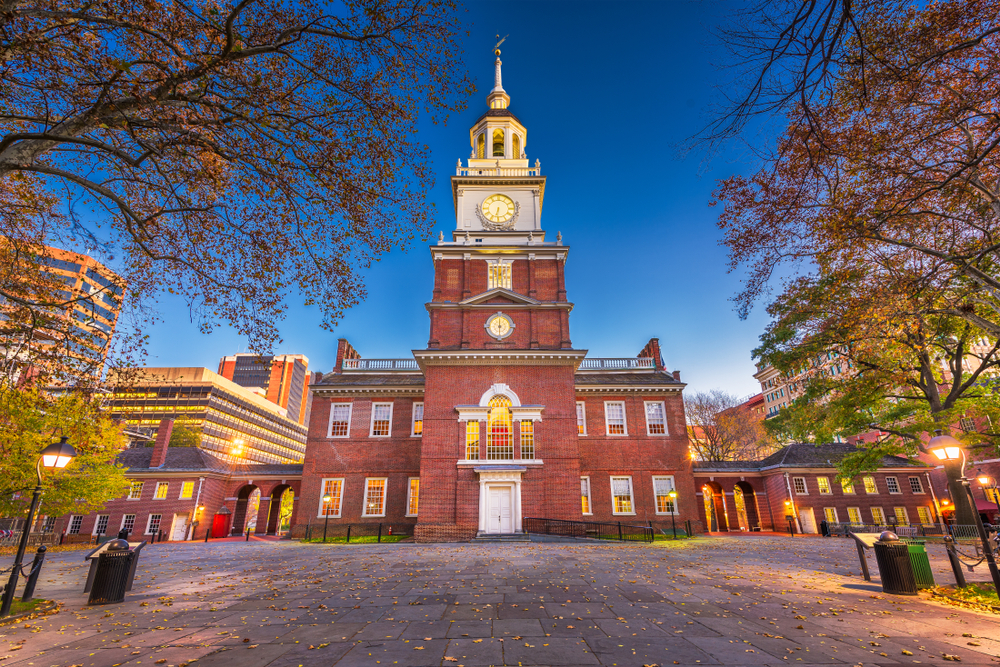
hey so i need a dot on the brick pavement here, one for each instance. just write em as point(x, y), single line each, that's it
point(744, 600)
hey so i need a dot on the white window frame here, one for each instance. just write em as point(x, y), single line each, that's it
point(874, 519)
point(409, 495)
point(930, 516)
point(69, 524)
point(645, 411)
point(149, 522)
point(836, 519)
point(125, 516)
point(920, 483)
point(166, 494)
point(631, 491)
point(581, 407)
point(131, 486)
point(371, 421)
point(590, 496)
point(906, 516)
point(350, 416)
point(97, 522)
point(340, 500)
point(851, 520)
point(874, 483)
point(888, 485)
point(413, 420)
point(607, 424)
point(819, 486)
point(673, 487)
point(184, 485)
point(385, 496)
point(795, 486)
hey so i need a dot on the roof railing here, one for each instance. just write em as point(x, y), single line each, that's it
point(380, 365)
point(617, 364)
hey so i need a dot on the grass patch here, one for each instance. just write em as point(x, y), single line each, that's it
point(18, 607)
point(357, 539)
point(977, 593)
point(29, 553)
point(669, 536)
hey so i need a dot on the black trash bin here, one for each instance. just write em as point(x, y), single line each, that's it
point(111, 578)
point(824, 528)
point(894, 567)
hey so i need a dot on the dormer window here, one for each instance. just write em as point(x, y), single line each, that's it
point(498, 150)
point(499, 271)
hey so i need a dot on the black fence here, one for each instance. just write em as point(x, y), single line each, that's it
point(959, 532)
point(358, 532)
point(618, 532)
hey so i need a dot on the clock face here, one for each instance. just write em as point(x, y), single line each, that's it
point(499, 326)
point(498, 208)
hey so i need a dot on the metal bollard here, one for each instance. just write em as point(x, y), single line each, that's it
point(248, 534)
point(208, 531)
point(348, 533)
point(380, 533)
point(956, 565)
point(36, 570)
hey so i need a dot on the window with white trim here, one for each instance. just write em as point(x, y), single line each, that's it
point(162, 489)
point(381, 426)
point(848, 486)
point(614, 418)
point(892, 484)
point(925, 516)
point(662, 486)
point(799, 484)
point(417, 428)
point(916, 486)
point(101, 525)
point(656, 418)
point(870, 486)
point(340, 420)
point(500, 430)
point(334, 488)
point(581, 418)
point(75, 523)
point(831, 514)
point(413, 497)
point(187, 490)
point(135, 490)
point(585, 505)
point(374, 497)
point(153, 524)
point(824, 485)
point(527, 428)
point(854, 514)
point(128, 522)
point(499, 273)
point(902, 518)
point(621, 495)
point(878, 516)
point(471, 441)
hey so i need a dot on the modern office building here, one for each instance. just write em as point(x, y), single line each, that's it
point(281, 379)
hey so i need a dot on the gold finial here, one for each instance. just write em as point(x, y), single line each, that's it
point(496, 48)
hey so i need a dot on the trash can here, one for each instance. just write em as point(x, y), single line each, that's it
point(920, 563)
point(824, 528)
point(112, 576)
point(893, 558)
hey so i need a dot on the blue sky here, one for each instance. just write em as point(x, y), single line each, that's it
point(607, 91)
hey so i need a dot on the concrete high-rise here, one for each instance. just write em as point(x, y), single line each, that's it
point(282, 379)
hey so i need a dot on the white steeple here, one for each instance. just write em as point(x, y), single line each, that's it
point(498, 99)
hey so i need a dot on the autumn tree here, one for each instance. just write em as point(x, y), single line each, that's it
point(722, 428)
point(30, 420)
point(233, 154)
point(183, 435)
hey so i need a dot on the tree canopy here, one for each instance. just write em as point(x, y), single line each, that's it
point(722, 428)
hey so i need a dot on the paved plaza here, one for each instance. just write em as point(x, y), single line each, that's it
point(747, 600)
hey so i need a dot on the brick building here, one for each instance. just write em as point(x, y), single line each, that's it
point(282, 379)
point(800, 480)
point(499, 418)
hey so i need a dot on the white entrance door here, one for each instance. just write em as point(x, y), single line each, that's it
point(179, 531)
point(808, 520)
point(500, 517)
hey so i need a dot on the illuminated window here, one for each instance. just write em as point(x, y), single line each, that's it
point(614, 418)
point(187, 490)
point(915, 485)
point(527, 440)
point(878, 516)
point(499, 430)
point(471, 441)
point(481, 146)
point(75, 522)
point(413, 497)
point(824, 484)
point(162, 488)
point(374, 497)
point(517, 146)
point(135, 491)
point(662, 486)
point(831, 514)
point(498, 143)
point(335, 489)
point(128, 522)
point(418, 419)
point(892, 484)
point(621, 494)
point(153, 524)
point(381, 420)
point(581, 418)
point(585, 495)
point(799, 484)
point(101, 525)
point(902, 518)
point(340, 420)
point(656, 418)
point(499, 274)
point(925, 516)
point(847, 485)
point(870, 486)
point(855, 514)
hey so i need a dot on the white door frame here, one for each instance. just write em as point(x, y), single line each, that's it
point(173, 525)
point(496, 478)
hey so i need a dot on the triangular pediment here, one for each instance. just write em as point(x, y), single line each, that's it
point(499, 295)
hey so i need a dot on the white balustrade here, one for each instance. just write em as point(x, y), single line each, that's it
point(617, 364)
point(380, 365)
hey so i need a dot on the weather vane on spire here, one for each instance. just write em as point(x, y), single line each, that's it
point(496, 49)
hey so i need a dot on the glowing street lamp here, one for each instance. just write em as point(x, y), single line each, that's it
point(673, 511)
point(326, 512)
point(55, 456)
point(988, 482)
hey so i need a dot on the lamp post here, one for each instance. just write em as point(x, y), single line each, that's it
point(326, 513)
point(57, 455)
point(988, 482)
point(947, 448)
point(673, 512)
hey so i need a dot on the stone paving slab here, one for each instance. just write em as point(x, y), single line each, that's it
point(748, 600)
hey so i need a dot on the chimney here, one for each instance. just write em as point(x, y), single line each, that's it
point(162, 442)
point(344, 351)
point(677, 375)
point(652, 350)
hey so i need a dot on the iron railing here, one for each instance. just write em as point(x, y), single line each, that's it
point(617, 364)
point(959, 532)
point(618, 532)
point(380, 365)
point(357, 532)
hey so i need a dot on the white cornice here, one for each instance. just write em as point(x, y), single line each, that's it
point(549, 305)
point(506, 357)
point(613, 389)
point(366, 390)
